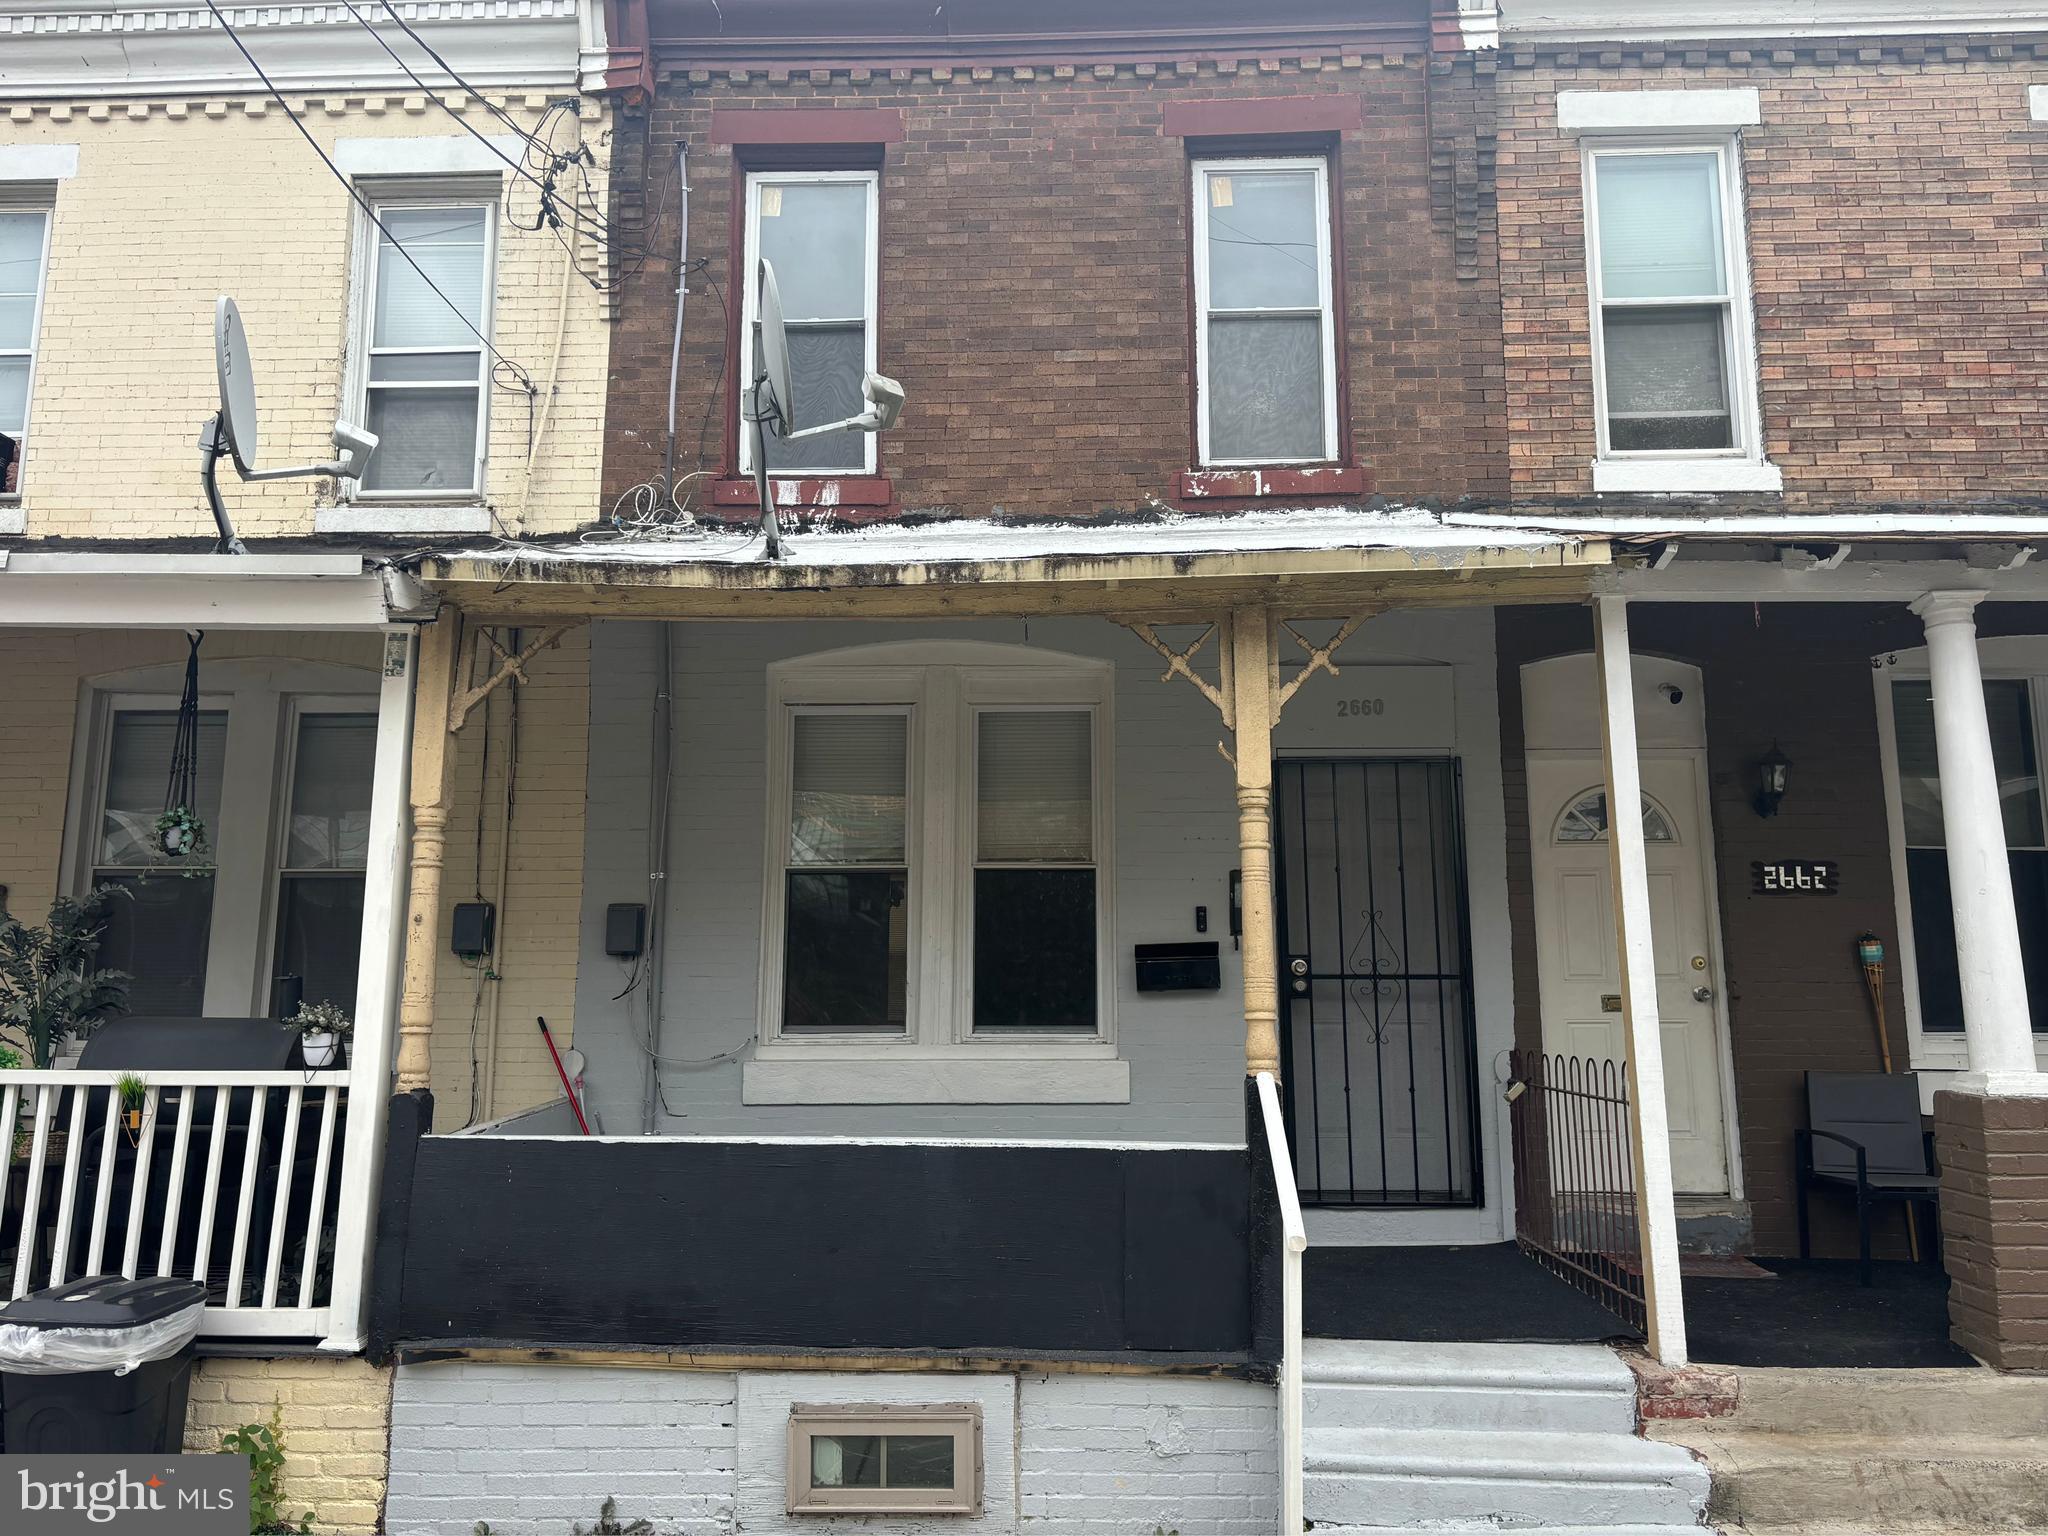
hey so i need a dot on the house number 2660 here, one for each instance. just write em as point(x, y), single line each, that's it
point(1361, 706)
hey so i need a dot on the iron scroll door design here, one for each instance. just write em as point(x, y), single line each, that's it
point(1376, 1038)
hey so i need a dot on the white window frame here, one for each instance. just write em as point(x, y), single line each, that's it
point(263, 701)
point(44, 203)
point(943, 687)
point(961, 1421)
point(485, 193)
point(1738, 467)
point(2021, 658)
point(1202, 169)
point(750, 306)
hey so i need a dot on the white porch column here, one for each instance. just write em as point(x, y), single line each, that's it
point(1994, 983)
point(377, 976)
point(1649, 1131)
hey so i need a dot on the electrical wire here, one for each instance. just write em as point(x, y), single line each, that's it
point(356, 195)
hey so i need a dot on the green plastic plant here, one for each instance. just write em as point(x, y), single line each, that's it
point(180, 833)
point(263, 1444)
point(608, 1523)
point(322, 1018)
point(51, 987)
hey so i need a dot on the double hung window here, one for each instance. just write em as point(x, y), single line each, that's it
point(24, 248)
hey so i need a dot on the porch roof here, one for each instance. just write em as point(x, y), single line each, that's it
point(1310, 559)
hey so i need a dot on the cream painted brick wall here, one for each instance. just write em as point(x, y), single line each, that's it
point(544, 885)
point(337, 1429)
point(177, 202)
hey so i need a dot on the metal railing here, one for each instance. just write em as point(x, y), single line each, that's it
point(1575, 1188)
point(227, 1178)
point(1294, 1237)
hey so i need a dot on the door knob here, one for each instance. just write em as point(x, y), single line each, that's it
point(1703, 994)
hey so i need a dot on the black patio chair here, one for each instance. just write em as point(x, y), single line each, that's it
point(1864, 1137)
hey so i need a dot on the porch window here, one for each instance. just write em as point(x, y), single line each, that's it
point(2015, 747)
point(818, 230)
point(426, 375)
point(1674, 375)
point(1265, 336)
point(24, 247)
point(284, 784)
point(938, 840)
point(847, 891)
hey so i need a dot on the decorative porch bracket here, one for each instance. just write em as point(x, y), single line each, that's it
point(1249, 697)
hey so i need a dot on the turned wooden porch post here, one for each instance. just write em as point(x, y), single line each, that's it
point(1253, 688)
point(440, 644)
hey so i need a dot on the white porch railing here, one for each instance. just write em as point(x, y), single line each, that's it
point(1294, 1237)
point(230, 1179)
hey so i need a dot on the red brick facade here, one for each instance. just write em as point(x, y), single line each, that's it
point(1034, 274)
point(1896, 191)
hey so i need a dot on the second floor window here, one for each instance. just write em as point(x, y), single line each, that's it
point(817, 229)
point(1674, 373)
point(427, 375)
point(1265, 337)
point(24, 239)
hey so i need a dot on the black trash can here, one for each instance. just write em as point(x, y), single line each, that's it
point(75, 1399)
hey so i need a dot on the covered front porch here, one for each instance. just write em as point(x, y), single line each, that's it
point(204, 763)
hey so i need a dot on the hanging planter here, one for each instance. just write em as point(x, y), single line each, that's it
point(134, 1093)
point(181, 831)
point(324, 1030)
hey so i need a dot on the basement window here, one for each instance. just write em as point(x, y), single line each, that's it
point(887, 1459)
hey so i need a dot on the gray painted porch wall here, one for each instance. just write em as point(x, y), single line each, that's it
point(1175, 844)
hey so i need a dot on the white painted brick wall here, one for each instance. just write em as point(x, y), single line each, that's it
point(531, 1448)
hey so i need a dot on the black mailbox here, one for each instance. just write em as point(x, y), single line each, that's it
point(1179, 967)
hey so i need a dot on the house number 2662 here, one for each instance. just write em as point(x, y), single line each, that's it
point(1361, 706)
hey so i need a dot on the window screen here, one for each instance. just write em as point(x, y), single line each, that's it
point(1665, 291)
point(22, 237)
point(815, 234)
point(1265, 312)
point(427, 367)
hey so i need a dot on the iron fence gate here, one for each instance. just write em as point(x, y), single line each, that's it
point(1376, 1033)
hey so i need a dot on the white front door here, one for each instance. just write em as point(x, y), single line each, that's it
point(1579, 971)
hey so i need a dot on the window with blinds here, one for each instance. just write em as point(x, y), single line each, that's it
point(24, 243)
point(846, 944)
point(326, 845)
point(1664, 292)
point(1034, 870)
point(427, 369)
point(1265, 338)
point(2015, 754)
point(817, 229)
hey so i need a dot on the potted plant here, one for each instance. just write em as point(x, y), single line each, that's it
point(180, 832)
point(51, 986)
point(134, 1094)
point(323, 1028)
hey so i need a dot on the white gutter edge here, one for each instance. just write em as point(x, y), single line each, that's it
point(28, 562)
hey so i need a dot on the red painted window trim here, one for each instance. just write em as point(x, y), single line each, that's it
point(807, 125)
point(853, 494)
point(1248, 116)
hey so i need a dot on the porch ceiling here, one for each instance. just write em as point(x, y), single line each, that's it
point(1333, 561)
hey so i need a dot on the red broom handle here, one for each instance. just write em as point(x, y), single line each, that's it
point(568, 1089)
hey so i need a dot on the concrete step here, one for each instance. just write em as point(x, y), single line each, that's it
point(1765, 1481)
point(1491, 1528)
point(1409, 1478)
point(1941, 1403)
point(1363, 1384)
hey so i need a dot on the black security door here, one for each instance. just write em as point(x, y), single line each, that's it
point(1376, 982)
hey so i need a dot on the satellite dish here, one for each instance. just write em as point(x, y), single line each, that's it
point(774, 353)
point(237, 384)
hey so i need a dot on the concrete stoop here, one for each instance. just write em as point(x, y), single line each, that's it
point(1485, 1437)
point(1842, 1452)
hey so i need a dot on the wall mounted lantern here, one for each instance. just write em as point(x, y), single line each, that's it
point(1770, 773)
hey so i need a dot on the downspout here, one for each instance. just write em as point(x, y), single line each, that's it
point(675, 351)
point(661, 762)
point(500, 881)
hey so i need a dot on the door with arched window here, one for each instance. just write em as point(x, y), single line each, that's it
point(1577, 960)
